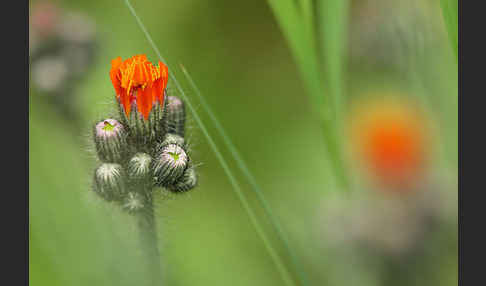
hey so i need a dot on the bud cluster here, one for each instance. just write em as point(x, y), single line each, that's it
point(139, 153)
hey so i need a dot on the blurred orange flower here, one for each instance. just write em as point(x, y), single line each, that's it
point(391, 139)
point(137, 80)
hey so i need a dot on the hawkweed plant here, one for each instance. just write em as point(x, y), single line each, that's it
point(143, 149)
point(284, 271)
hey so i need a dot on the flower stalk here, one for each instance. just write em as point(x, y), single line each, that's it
point(148, 238)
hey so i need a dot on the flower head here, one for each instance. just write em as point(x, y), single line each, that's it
point(136, 80)
point(391, 138)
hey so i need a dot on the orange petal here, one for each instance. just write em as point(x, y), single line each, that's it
point(125, 101)
point(116, 63)
point(164, 77)
point(140, 74)
point(157, 91)
point(137, 74)
point(144, 101)
point(115, 74)
point(164, 71)
point(140, 58)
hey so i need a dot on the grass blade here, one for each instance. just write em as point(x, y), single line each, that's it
point(249, 176)
point(301, 39)
point(450, 15)
point(333, 24)
point(307, 10)
point(333, 19)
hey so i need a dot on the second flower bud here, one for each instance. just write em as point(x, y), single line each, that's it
point(170, 164)
point(110, 140)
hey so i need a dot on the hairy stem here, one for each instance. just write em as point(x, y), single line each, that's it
point(148, 241)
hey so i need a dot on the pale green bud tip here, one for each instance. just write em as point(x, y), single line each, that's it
point(174, 155)
point(108, 128)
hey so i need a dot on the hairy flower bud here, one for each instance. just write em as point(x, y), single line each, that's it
point(187, 182)
point(109, 181)
point(172, 139)
point(139, 168)
point(157, 119)
point(170, 164)
point(175, 115)
point(110, 140)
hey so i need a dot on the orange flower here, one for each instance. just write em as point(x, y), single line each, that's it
point(137, 80)
point(391, 138)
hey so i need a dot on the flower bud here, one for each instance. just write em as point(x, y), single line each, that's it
point(110, 140)
point(133, 202)
point(157, 119)
point(145, 130)
point(175, 116)
point(170, 164)
point(109, 181)
point(172, 139)
point(139, 168)
point(187, 182)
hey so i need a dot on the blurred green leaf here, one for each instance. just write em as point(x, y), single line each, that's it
point(450, 15)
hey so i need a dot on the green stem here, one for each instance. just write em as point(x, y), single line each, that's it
point(148, 241)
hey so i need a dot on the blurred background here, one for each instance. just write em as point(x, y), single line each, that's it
point(397, 225)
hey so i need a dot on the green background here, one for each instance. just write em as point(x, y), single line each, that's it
point(240, 61)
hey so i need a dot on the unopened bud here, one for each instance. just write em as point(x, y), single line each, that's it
point(139, 168)
point(170, 164)
point(110, 140)
point(158, 118)
point(175, 115)
point(172, 139)
point(109, 181)
point(187, 182)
